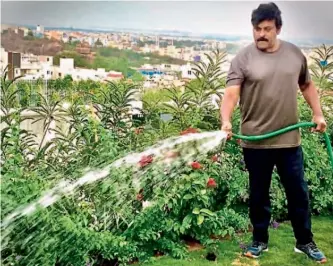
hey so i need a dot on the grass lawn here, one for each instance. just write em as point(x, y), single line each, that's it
point(280, 249)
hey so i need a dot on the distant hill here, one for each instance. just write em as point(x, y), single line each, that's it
point(15, 43)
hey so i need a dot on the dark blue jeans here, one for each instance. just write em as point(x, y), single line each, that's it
point(289, 163)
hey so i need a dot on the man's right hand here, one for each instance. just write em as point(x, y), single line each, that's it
point(229, 101)
point(227, 127)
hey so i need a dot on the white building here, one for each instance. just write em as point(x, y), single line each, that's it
point(66, 67)
point(35, 67)
point(3, 59)
point(170, 67)
point(65, 37)
point(187, 72)
point(146, 49)
point(40, 29)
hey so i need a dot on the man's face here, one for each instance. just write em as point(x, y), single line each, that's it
point(265, 34)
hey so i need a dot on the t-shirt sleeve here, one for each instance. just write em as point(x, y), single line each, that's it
point(304, 76)
point(235, 74)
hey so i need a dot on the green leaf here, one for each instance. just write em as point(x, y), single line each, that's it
point(187, 220)
point(200, 219)
point(197, 182)
point(188, 196)
point(196, 211)
point(208, 212)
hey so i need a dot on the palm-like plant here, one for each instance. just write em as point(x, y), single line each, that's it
point(11, 134)
point(178, 105)
point(8, 99)
point(199, 93)
point(48, 114)
point(70, 140)
point(322, 69)
point(114, 106)
point(151, 112)
point(208, 79)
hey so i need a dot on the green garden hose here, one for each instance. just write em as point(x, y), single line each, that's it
point(287, 129)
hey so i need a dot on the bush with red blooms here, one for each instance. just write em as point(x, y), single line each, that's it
point(190, 130)
point(211, 183)
point(196, 165)
point(145, 160)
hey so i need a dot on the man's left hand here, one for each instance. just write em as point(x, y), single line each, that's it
point(320, 122)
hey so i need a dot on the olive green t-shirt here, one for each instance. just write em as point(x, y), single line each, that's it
point(269, 87)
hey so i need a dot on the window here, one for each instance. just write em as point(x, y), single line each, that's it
point(37, 70)
point(189, 72)
point(47, 72)
point(59, 75)
point(48, 59)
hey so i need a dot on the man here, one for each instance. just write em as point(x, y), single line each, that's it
point(267, 76)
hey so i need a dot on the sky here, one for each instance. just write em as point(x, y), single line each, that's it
point(302, 19)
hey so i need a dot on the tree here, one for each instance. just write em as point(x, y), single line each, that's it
point(98, 43)
point(79, 61)
point(137, 77)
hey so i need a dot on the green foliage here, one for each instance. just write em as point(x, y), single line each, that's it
point(79, 61)
point(124, 60)
point(114, 63)
point(194, 107)
point(109, 222)
point(232, 48)
point(137, 77)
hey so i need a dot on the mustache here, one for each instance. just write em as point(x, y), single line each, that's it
point(262, 39)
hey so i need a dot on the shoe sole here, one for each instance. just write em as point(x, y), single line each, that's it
point(301, 252)
point(250, 255)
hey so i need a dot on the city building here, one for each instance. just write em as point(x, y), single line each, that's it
point(187, 72)
point(40, 29)
point(3, 59)
point(12, 61)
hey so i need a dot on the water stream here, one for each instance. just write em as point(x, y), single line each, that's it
point(165, 153)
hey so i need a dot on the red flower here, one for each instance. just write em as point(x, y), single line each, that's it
point(145, 160)
point(138, 130)
point(189, 131)
point(215, 158)
point(196, 165)
point(139, 196)
point(211, 183)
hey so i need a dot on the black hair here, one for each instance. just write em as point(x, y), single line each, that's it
point(269, 11)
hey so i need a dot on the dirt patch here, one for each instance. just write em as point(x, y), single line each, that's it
point(240, 261)
point(193, 246)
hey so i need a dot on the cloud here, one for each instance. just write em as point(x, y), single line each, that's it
point(301, 18)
